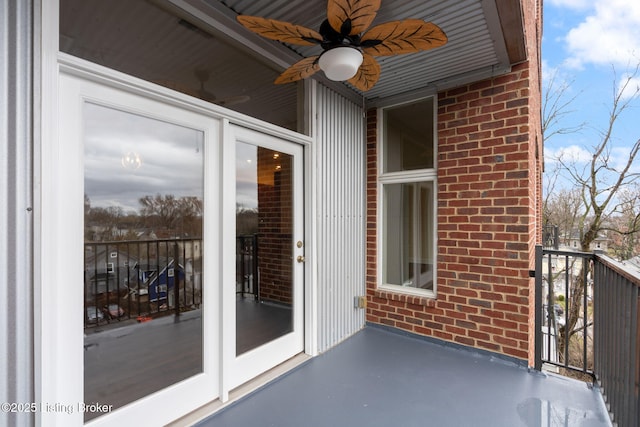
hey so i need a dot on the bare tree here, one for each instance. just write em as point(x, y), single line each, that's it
point(623, 228)
point(557, 103)
point(173, 213)
point(562, 207)
point(556, 107)
point(602, 179)
point(598, 182)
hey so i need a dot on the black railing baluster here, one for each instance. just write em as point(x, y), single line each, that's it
point(95, 293)
point(585, 318)
point(128, 281)
point(146, 282)
point(568, 300)
point(611, 291)
point(255, 280)
point(548, 311)
point(634, 379)
point(242, 251)
point(538, 304)
point(117, 270)
point(247, 264)
point(176, 280)
point(184, 282)
point(133, 267)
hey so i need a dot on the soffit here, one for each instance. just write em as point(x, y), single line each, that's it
point(485, 38)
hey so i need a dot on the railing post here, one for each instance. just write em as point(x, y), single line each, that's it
point(254, 265)
point(176, 279)
point(634, 412)
point(538, 309)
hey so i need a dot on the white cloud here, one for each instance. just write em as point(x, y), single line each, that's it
point(630, 87)
point(548, 71)
point(610, 34)
point(570, 154)
point(556, 79)
point(572, 4)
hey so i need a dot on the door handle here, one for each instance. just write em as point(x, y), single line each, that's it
point(300, 258)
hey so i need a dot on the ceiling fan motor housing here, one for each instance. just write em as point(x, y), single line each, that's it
point(340, 63)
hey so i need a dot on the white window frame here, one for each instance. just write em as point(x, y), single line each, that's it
point(404, 177)
point(63, 382)
point(51, 360)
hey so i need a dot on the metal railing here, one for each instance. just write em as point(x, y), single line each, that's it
point(140, 280)
point(617, 339)
point(247, 266)
point(550, 237)
point(565, 324)
point(588, 321)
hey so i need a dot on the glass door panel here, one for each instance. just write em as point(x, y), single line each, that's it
point(143, 229)
point(264, 245)
point(267, 327)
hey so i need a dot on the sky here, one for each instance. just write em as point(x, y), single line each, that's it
point(592, 46)
point(129, 156)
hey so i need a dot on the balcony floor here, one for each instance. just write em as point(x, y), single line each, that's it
point(383, 378)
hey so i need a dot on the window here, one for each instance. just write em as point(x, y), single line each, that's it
point(212, 68)
point(408, 202)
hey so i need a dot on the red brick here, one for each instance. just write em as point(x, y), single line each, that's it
point(485, 173)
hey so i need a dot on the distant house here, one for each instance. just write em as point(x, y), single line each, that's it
point(600, 243)
point(108, 269)
point(159, 284)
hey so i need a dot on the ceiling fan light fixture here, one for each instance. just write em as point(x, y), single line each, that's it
point(349, 45)
point(340, 63)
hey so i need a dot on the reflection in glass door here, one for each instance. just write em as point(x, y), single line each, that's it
point(264, 245)
point(266, 300)
point(143, 217)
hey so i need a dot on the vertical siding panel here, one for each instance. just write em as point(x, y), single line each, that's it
point(16, 222)
point(340, 216)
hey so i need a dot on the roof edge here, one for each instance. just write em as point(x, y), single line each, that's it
point(511, 18)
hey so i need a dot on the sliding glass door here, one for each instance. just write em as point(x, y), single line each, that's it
point(268, 300)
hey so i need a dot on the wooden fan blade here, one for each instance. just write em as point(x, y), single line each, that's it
point(398, 37)
point(300, 70)
point(351, 17)
point(281, 31)
point(367, 75)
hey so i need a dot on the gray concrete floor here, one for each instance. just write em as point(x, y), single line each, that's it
point(383, 378)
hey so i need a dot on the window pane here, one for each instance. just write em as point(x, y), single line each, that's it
point(144, 189)
point(408, 231)
point(264, 246)
point(145, 40)
point(409, 137)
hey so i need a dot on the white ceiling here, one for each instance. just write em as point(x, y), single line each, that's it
point(169, 41)
point(475, 38)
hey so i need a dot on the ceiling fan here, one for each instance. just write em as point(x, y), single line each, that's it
point(348, 48)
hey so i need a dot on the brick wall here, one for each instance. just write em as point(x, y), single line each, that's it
point(487, 211)
point(275, 226)
point(533, 29)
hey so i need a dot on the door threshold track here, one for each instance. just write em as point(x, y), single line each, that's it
point(241, 391)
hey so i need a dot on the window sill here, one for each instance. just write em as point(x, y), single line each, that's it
point(410, 298)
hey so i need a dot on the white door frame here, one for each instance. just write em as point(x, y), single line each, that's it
point(239, 369)
point(52, 177)
point(68, 297)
